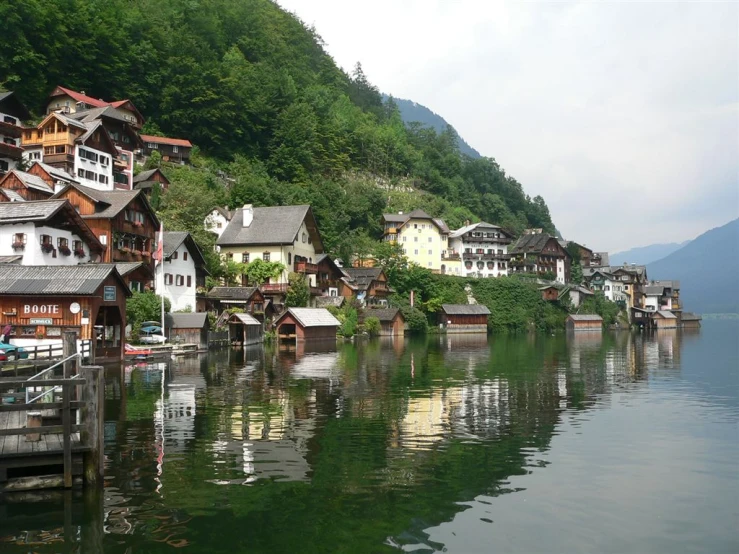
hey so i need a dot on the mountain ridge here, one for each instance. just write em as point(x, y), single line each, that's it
point(643, 255)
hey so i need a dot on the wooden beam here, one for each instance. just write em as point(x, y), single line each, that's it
point(93, 398)
point(67, 436)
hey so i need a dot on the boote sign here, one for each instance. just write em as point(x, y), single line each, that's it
point(49, 310)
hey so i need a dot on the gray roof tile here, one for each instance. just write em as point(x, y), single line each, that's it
point(465, 309)
point(313, 317)
point(233, 293)
point(38, 210)
point(195, 320)
point(383, 314)
point(61, 279)
point(271, 225)
point(585, 317)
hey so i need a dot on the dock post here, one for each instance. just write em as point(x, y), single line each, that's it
point(69, 347)
point(33, 419)
point(93, 397)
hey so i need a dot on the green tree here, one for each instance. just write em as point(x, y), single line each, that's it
point(372, 326)
point(298, 291)
point(145, 306)
point(259, 272)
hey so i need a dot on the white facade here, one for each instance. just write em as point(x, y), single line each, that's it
point(93, 168)
point(471, 254)
point(180, 284)
point(216, 222)
point(32, 251)
point(561, 271)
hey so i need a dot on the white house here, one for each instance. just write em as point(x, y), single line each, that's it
point(184, 270)
point(217, 220)
point(12, 115)
point(46, 232)
point(422, 237)
point(477, 250)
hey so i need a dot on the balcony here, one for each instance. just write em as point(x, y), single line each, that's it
point(498, 240)
point(273, 287)
point(328, 284)
point(306, 267)
point(391, 230)
point(450, 255)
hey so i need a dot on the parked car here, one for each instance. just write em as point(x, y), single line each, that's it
point(12, 352)
point(152, 334)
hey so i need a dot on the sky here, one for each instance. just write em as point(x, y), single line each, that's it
point(623, 115)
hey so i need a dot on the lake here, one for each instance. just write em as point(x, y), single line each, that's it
point(622, 443)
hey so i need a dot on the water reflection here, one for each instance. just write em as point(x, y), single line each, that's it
point(322, 445)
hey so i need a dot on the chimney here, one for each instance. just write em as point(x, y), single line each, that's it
point(466, 222)
point(248, 215)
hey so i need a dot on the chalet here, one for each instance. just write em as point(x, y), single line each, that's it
point(368, 284)
point(41, 302)
point(300, 324)
point(584, 322)
point(123, 222)
point(184, 272)
point(662, 295)
point(173, 150)
point(284, 234)
point(477, 250)
point(664, 319)
point(46, 232)
point(83, 149)
point(26, 185)
point(422, 237)
point(464, 318)
point(633, 279)
point(328, 278)
point(540, 253)
point(55, 177)
point(243, 330)
point(392, 322)
point(188, 328)
point(549, 293)
point(577, 294)
point(147, 180)
point(12, 115)
point(249, 300)
point(612, 287)
point(69, 101)
point(585, 254)
point(217, 220)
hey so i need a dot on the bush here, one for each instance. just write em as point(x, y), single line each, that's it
point(415, 319)
point(349, 327)
point(372, 326)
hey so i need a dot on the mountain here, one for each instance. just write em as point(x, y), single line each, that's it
point(706, 268)
point(643, 255)
point(411, 111)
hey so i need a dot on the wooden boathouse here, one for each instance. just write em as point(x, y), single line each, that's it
point(244, 329)
point(584, 322)
point(392, 322)
point(188, 328)
point(464, 318)
point(298, 324)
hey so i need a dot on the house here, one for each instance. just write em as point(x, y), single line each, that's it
point(217, 220)
point(464, 318)
point(183, 273)
point(285, 234)
point(300, 324)
point(584, 322)
point(368, 284)
point(173, 150)
point(147, 180)
point(69, 101)
point(691, 320)
point(243, 330)
point(585, 254)
point(328, 278)
point(41, 302)
point(55, 177)
point(612, 287)
point(549, 293)
point(188, 328)
point(12, 115)
point(83, 149)
point(46, 232)
point(633, 279)
point(392, 322)
point(249, 300)
point(662, 295)
point(577, 295)
point(664, 319)
point(422, 237)
point(125, 224)
point(477, 250)
point(541, 253)
point(26, 185)
point(599, 259)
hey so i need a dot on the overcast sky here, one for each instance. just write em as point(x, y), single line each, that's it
point(624, 116)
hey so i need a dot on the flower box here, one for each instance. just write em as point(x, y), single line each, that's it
point(138, 224)
point(64, 250)
point(146, 254)
point(125, 249)
point(79, 252)
point(18, 246)
point(47, 247)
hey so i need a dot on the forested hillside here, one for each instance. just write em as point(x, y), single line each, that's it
point(413, 112)
point(275, 119)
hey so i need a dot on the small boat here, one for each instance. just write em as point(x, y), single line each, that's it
point(136, 352)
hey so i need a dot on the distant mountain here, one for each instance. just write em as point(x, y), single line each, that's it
point(643, 255)
point(410, 111)
point(707, 269)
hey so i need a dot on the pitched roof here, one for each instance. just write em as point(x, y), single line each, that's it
point(145, 176)
point(654, 291)
point(383, 314)
point(38, 210)
point(56, 172)
point(270, 225)
point(12, 196)
point(172, 241)
point(124, 268)
point(114, 201)
point(79, 97)
point(604, 259)
point(481, 225)
point(20, 110)
point(235, 293)
point(362, 277)
point(195, 320)
point(312, 317)
point(415, 214)
point(245, 319)
point(56, 279)
point(31, 181)
point(93, 114)
point(690, 316)
point(585, 317)
point(17, 259)
point(465, 309)
point(533, 243)
point(326, 301)
point(668, 284)
point(166, 140)
point(666, 314)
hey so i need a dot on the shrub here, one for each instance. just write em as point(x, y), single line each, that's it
point(372, 326)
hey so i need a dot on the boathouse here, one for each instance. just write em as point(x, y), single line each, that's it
point(664, 319)
point(189, 328)
point(464, 318)
point(549, 293)
point(392, 322)
point(691, 320)
point(584, 322)
point(41, 302)
point(244, 329)
point(306, 324)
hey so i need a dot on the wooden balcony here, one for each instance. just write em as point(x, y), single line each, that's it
point(391, 231)
point(273, 288)
point(450, 255)
point(10, 130)
point(326, 284)
point(306, 267)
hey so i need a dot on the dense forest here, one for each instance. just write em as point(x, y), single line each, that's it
point(253, 88)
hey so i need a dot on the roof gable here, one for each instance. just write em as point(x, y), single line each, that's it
point(83, 279)
point(465, 309)
point(174, 239)
point(271, 225)
point(111, 202)
point(311, 317)
point(167, 140)
point(194, 320)
point(77, 97)
point(11, 105)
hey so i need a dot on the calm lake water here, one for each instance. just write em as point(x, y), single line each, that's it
point(621, 443)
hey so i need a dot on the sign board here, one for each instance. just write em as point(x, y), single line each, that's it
point(41, 321)
point(109, 294)
point(50, 310)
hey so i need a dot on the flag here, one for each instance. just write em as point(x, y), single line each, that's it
point(160, 245)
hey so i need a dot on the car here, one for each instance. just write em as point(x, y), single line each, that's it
point(11, 352)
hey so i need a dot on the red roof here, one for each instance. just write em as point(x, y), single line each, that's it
point(167, 140)
point(79, 97)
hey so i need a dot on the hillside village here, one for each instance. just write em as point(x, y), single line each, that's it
point(78, 228)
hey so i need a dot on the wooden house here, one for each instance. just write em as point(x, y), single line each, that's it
point(540, 253)
point(664, 319)
point(173, 150)
point(549, 293)
point(70, 101)
point(124, 221)
point(464, 318)
point(55, 177)
point(26, 186)
point(329, 276)
point(691, 320)
point(298, 324)
point(368, 284)
point(243, 330)
point(147, 180)
point(188, 328)
point(249, 300)
point(12, 115)
point(392, 322)
point(41, 302)
point(584, 322)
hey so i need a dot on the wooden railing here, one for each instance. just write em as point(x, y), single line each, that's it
point(306, 267)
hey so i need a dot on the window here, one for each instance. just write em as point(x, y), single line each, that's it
point(60, 149)
point(184, 256)
point(230, 256)
point(416, 251)
point(77, 245)
point(48, 150)
point(180, 280)
point(103, 179)
point(175, 255)
point(152, 146)
point(265, 256)
point(167, 278)
point(11, 120)
point(245, 258)
point(219, 225)
point(136, 285)
point(19, 240)
point(305, 237)
point(405, 239)
point(103, 160)
point(189, 281)
point(46, 239)
point(289, 258)
point(103, 239)
point(415, 225)
point(431, 239)
point(431, 252)
point(175, 149)
point(61, 242)
point(91, 175)
point(608, 287)
point(415, 239)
